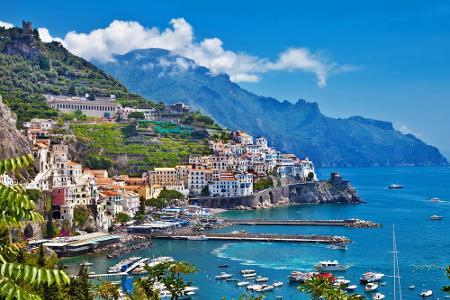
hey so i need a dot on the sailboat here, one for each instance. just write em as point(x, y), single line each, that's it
point(395, 186)
point(396, 268)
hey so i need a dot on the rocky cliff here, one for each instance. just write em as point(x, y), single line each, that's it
point(334, 190)
point(12, 142)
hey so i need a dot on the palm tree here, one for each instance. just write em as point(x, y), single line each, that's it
point(19, 280)
point(107, 290)
point(322, 288)
point(173, 281)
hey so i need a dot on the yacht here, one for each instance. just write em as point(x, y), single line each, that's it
point(371, 277)
point(223, 276)
point(371, 286)
point(426, 293)
point(277, 284)
point(297, 276)
point(197, 237)
point(261, 279)
point(378, 296)
point(435, 217)
point(395, 186)
point(331, 266)
point(242, 283)
point(264, 288)
point(253, 287)
point(247, 271)
point(351, 288)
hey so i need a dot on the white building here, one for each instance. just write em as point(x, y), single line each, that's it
point(198, 179)
point(230, 185)
point(131, 203)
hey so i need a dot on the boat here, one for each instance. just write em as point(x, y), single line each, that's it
point(277, 284)
point(242, 283)
point(435, 200)
point(331, 266)
point(197, 238)
point(383, 283)
point(351, 288)
point(371, 277)
point(264, 288)
point(223, 276)
point(297, 276)
point(395, 186)
point(411, 287)
point(91, 273)
point(435, 217)
point(123, 265)
point(253, 287)
point(378, 296)
point(246, 271)
point(338, 247)
point(371, 286)
point(261, 279)
point(341, 281)
point(426, 293)
point(249, 275)
point(86, 264)
point(224, 266)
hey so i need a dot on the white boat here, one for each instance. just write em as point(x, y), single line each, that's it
point(261, 279)
point(253, 287)
point(249, 275)
point(242, 283)
point(342, 281)
point(411, 287)
point(395, 186)
point(435, 217)
point(223, 276)
point(371, 286)
point(331, 266)
point(378, 296)
point(197, 237)
point(426, 293)
point(264, 288)
point(277, 284)
point(351, 287)
point(297, 276)
point(435, 200)
point(338, 247)
point(246, 271)
point(371, 277)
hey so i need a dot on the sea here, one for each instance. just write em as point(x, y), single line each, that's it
point(423, 245)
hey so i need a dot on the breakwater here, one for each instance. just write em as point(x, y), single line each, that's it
point(261, 237)
point(356, 223)
point(333, 190)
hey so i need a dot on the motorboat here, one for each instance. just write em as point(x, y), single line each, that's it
point(435, 217)
point(411, 287)
point(197, 238)
point(426, 293)
point(253, 287)
point(277, 284)
point(351, 288)
point(395, 186)
point(338, 247)
point(371, 286)
point(297, 276)
point(371, 277)
point(340, 281)
point(435, 200)
point(246, 271)
point(378, 296)
point(264, 288)
point(223, 276)
point(242, 283)
point(331, 266)
point(261, 279)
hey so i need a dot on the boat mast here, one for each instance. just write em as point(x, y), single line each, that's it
point(393, 259)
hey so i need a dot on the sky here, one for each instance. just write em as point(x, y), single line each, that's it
point(386, 60)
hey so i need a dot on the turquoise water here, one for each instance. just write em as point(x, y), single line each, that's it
point(423, 245)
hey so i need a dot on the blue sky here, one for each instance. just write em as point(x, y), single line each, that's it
point(397, 51)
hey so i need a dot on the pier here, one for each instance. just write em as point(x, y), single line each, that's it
point(345, 223)
point(249, 237)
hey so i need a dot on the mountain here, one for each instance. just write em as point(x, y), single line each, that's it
point(293, 127)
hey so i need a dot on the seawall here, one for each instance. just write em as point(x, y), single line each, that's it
point(334, 190)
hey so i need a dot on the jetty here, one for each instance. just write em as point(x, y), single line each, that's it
point(260, 237)
point(357, 223)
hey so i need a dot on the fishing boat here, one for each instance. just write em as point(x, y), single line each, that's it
point(426, 293)
point(277, 284)
point(378, 296)
point(261, 279)
point(197, 238)
point(371, 277)
point(297, 276)
point(435, 217)
point(242, 283)
point(351, 288)
point(371, 286)
point(223, 275)
point(331, 266)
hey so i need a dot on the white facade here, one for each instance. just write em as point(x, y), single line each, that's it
point(229, 185)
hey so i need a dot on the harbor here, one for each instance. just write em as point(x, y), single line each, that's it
point(356, 223)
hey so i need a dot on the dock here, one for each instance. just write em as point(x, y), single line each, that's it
point(249, 237)
point(344, 223)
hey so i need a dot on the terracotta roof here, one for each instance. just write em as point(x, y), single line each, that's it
point(110, 193)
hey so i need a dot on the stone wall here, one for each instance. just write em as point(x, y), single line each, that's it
point(324, 191)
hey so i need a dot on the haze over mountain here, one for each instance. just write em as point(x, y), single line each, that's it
point(293, 127)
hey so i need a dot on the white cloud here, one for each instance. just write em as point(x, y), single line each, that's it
point(6, 24)
point(120, 37)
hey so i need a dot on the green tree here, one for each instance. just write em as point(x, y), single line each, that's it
point(80, 215)
point(169, 195)
point(173, 281)
point(19, 280)
point(322, 288)
point(72, 90)
point(138, 115)
point(140, 214)
point(205, 191)
point(49, 229)
point(310, 176)
point(44, 63)
point(122, 218)
point(447, 288)
point(107, 290)
point(81, 288)
point(156, 203)
point(79, 115)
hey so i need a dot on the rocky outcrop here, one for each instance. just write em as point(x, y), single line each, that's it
point(333, 190)
point(12, 142)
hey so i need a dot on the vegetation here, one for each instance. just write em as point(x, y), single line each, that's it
point(80, 215)
point(81, 288)
point(136, 115)
point(447, 288)
point(122, 218)
point(322, 288)
point(199, 120)
point(19, 278)
point(262, 184)
point(164, 198)
point(107, 290)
